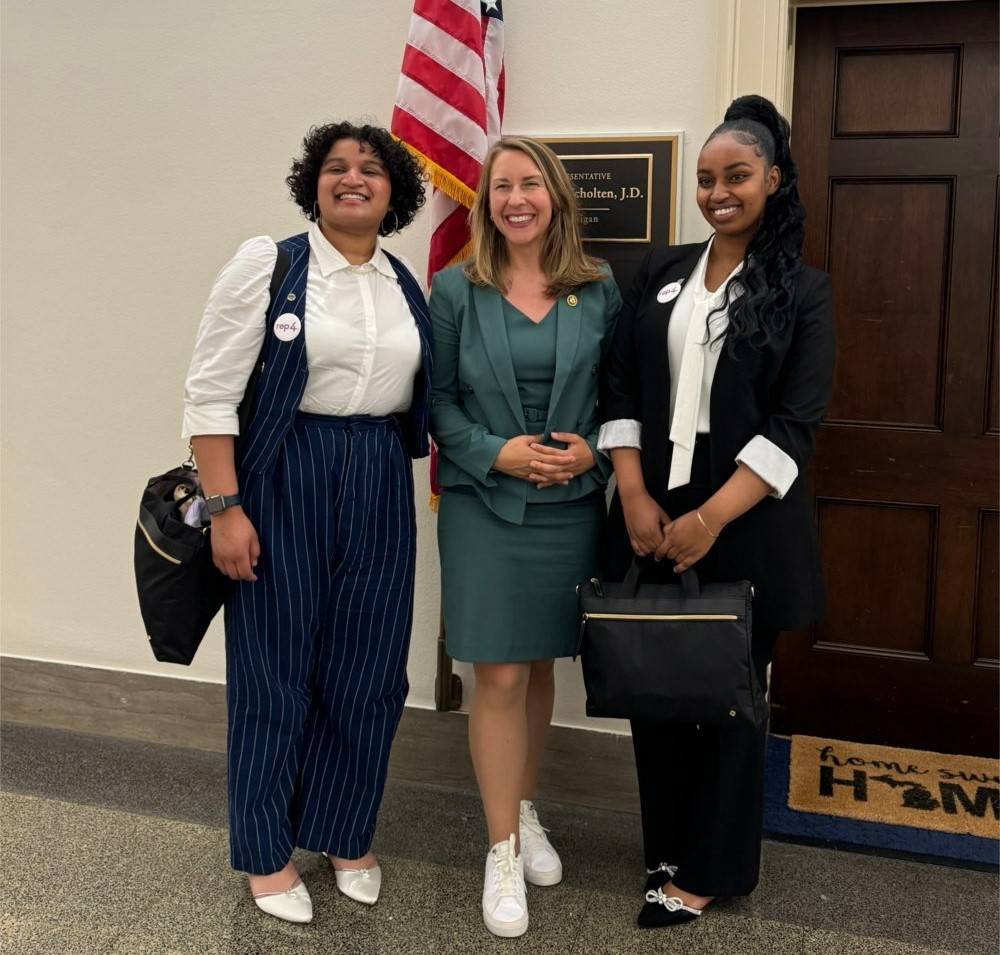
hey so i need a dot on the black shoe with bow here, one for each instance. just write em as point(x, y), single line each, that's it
point(661, 911)
point(659, 877)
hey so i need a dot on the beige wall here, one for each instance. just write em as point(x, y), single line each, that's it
point(142, 142)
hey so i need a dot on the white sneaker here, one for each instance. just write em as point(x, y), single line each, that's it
point(505, 908)
point(542, 865)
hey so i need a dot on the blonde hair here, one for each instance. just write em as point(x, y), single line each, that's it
point(565, 264)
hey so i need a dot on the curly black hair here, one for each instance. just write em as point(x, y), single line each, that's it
point(773, 257)
point(406, 177)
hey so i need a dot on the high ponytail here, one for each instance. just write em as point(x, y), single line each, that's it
point(774, 255)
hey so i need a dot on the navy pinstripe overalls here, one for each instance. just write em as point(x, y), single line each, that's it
point(316, 647)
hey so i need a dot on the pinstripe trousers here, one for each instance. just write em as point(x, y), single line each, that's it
point(316, 647)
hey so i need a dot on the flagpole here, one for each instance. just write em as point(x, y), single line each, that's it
point(447, 685)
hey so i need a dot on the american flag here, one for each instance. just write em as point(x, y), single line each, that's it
point(448, 110)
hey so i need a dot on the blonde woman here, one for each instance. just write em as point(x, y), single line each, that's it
point(519, 332)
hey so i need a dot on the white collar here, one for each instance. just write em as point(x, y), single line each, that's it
point(702, 294)
point(330, 259)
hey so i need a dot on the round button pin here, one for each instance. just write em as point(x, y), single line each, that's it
point(571, 300)
point(291, 296)
point(668, 293)
point(287, 326)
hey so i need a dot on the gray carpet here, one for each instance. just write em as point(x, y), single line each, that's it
point(120, 847)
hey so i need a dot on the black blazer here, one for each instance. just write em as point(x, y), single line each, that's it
point(779, 391)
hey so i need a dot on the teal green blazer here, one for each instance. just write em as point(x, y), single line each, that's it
point(475, 407)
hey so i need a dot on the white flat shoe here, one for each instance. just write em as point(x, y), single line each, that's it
point(362, 885)
point(295, 905)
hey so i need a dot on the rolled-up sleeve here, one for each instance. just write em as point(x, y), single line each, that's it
point(779, 453)
point(770, 464)
point(621, 433)
point(229, 340)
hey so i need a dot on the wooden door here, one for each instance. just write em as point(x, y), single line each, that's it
point(895, 135)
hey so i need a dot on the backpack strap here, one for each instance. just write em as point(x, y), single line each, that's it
point(281, 266)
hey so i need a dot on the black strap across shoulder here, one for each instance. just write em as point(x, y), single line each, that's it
point(281, 266)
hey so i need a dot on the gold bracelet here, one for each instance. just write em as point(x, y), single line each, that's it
point(703, 524)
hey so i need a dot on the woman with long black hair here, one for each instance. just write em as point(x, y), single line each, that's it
point(719, 374)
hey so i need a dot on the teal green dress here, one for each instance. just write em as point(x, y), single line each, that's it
point(509, 590)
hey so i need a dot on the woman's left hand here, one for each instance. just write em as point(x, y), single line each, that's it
point(557, 466)
point(685, 541)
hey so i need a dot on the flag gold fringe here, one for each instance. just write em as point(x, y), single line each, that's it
point(463, 253)
point(434, 502)
point(442, 180)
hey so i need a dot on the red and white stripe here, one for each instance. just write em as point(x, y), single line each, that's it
point(448, 112)
point(449, 108)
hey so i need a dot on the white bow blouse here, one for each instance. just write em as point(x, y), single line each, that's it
point(692, 358)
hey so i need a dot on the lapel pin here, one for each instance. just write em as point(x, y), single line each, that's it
point(572, 300)
point(668, 293)
point(291, 296)
point(287, 327)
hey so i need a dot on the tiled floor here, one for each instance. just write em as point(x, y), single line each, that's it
point(113, 846)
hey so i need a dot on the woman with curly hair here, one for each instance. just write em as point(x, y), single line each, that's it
point(520, 331)
point(718, 377)
point(304, 457)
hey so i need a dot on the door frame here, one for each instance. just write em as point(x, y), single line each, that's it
point(758, 47)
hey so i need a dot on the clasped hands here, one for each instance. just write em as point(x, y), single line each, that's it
point(527, 458)
point(651, 532)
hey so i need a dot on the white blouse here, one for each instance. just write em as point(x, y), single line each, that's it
point(362, 344)
point(692, 357)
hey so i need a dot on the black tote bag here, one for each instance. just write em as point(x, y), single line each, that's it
point(180, 590)
point(673, 653)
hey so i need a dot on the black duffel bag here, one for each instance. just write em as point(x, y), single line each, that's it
point(180, 589)
point(673, 653)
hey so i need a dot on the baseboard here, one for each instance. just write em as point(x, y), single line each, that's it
point(581, 767)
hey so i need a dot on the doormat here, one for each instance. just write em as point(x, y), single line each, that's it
point(900, 787)
point(880, 799)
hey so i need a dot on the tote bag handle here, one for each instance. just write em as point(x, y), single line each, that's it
point(689, 580)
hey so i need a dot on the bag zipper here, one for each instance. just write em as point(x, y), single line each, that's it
point(163, 554)
point(660, 616)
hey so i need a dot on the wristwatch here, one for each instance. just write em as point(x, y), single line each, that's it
point(217, 503)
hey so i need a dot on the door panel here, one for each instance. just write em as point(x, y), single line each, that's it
point(987, 616)
point(890, 353)
point(861, 617)
point(897, 92)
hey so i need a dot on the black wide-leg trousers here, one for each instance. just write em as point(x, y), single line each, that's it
point(701, 788)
